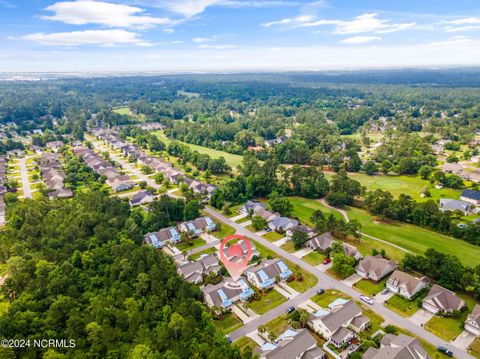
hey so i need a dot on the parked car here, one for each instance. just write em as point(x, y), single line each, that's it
point(326, 261)
point(290, 310)
point(268, 229)
point(320, 291)
point(228, 338)
point(445, 351)
point(384, 291)
point(366, 299)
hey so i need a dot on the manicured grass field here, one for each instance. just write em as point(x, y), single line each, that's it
point(411, 185)
point(475, 348)
point(370, 288)
point(186, 246)
point(267, 301)
point(123, 111)
point(277, 326)
point(314, 258)
point(244, 343)
point(273, 236)
point(328, 297)
point(401, 306)
point(232, 160)
point(229, 323)
point(414, 238)
point(288, 246)
point(303, 209)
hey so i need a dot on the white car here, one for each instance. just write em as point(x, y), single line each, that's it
point(366, 299)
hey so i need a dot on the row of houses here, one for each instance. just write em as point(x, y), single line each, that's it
point(461, 170)
point(468, 203)
point(53, 175)
point(3, 187)
point(174, 175)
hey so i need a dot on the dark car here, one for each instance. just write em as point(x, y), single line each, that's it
point(326, 261)
point(445, 351)
point(290, 310)
point(320, 291)
point(228, 338)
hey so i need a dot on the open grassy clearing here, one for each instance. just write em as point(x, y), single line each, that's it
point(232, 160)
point(225, 230)
point(268, 301)
point(123, 111)
point(402, 306)
point(228, 323)
point(303, 208)
point(414, 238)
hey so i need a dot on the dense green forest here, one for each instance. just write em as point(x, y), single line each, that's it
point(76, 270)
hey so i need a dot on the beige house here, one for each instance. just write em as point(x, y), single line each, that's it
point(375, 268)
point(292, 345)
point(405, 284)
point(321, 242)
point(337, 326)
point(397, 347)
point(472, 324)
point(442, 300)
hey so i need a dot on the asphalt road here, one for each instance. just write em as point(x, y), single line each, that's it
point(326, 282)
point(27, 193)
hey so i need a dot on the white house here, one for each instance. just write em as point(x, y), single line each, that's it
point(405, 284)
point(472, 324)
point(162, 237)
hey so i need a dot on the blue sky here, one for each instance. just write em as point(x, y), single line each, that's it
point(236, 35)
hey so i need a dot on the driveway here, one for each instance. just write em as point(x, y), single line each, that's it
point(280, 242)
point(246, 223)
point(286, 291)
point(240, 216)
point(350, 281)
point(208, 238)
point(244, 315)
point(324, 267)
point(421, 317)
point(302, 252)
point(381, 298)
point(310, 306)
point(256, 337)
point(464, 340)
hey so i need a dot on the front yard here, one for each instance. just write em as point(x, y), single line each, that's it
point(314, 258)
point(288, 246)
point(268, 301)
point(402, 306)
point(194, 243)
point(328, 297)
point(225, 230)
point(228, 323)
point(244, 343)
point(273, 236)
point(277, 326)
point(370, 288)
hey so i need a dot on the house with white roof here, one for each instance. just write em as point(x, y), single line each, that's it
point(227, 292)
point(264, 275)
point(162, 237)
point(472, 324)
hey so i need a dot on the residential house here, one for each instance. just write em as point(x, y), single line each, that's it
point(472, 324)
point(292, 344)
point(162, 237)
point(310, 232)
point(405, 284)
point(442, 300)
point(227, 292)
point(237, 251)
point(452, 168)
point(197, 226)
point(264, 275)
point(375, 267)
point(266, 214)
point(336, 325)
point(60, 193)
point(142, 197)
point(193, 271)
point(351, 251)
point(120, 183)
point(471, 196)
point(452, 205)
point(321, 242)
point(397, 347)
point(281, 224)
point(473, 176)
point(54, 145)
point(252, 206)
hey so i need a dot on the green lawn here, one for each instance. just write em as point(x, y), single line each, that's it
point(264, 251)
point(303, 208)
point(195, 256)
point(241, 220)
point(225, 230)
point(232, 160)
point(123, 111)
point(414, 238)
point(370, 288)
point(273, 236)
point(228, 323)
point(375, 320)
point(328, 297)
point(402, 306)
point(288, 246)
point(186, 246)
point(268, 301)
point(250, 228)
point(277, 326)
point(475, 348)
point(308, 281)
point(314, 258)
point(244, 343)
point(411, 185)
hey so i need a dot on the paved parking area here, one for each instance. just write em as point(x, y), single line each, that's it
point(350, 281)
point(302, 252)
point(464, 340)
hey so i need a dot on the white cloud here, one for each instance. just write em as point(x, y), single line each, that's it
point(190, 8)
point(83, 12)
point(88, 37)
point(360, 39)
point(200, 40)
point(452, 41)
point(364, 23)
point(217, 47)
